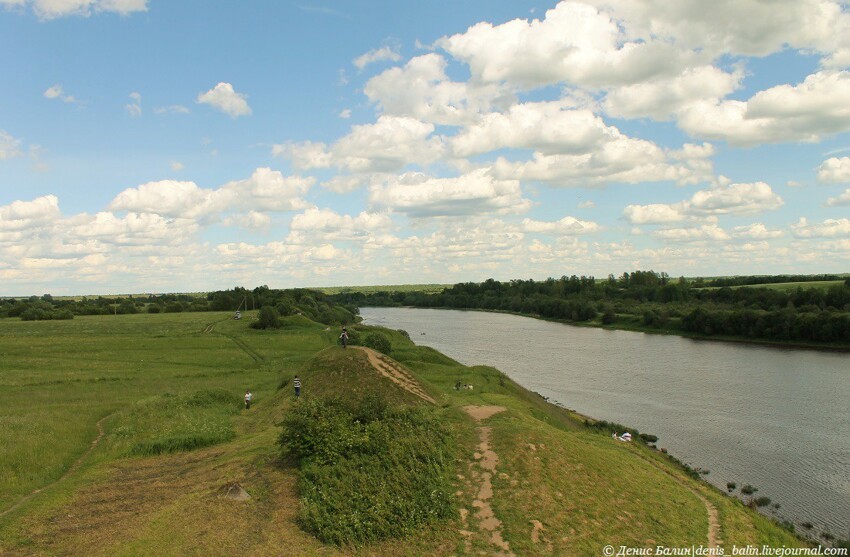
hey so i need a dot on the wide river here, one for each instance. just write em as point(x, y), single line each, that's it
point(774, 418)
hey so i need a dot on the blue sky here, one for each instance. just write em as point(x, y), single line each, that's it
point(152, 146)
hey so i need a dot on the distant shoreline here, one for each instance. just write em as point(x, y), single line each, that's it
point(692, 336)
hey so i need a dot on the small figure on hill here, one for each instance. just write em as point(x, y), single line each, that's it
point(297, 384)
point(248, 398)
point(457, 385)
point(344, 337)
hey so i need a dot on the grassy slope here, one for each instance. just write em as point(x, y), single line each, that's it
point(59, 378)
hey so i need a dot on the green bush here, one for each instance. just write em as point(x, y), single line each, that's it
point(368, 472)
point(35, 314)
point(319, 432)
point(63, 314)
point(379, 342)
point(269, 319)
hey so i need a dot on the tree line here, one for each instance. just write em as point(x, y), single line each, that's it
point(649, 300)
point(310, 303)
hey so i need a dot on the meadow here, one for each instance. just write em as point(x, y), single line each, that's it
point(392, 288)
point(162, 395)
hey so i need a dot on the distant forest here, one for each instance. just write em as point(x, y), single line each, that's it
point(741, 307)
point(310, 303)
point(646, 300)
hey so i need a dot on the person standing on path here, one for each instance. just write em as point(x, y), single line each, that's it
point(344, 337)
point(248, 398)
point(297, 384)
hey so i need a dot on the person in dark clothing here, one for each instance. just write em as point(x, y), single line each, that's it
point(297, 384)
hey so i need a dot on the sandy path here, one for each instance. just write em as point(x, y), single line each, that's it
point(68, 472)
point(487, 460)
point(395, 373)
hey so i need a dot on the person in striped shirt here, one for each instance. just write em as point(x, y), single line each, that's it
point(297, 383)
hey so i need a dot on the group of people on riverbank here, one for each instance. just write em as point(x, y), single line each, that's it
point(249, 396)
point(296, 382)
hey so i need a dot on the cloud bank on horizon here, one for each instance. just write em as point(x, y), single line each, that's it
point(286, 145)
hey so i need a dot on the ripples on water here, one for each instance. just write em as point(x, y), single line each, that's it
point(773, 418)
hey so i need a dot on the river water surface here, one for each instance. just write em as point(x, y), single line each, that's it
point(774, 418)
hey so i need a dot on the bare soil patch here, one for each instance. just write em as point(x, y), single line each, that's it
point(396, 373)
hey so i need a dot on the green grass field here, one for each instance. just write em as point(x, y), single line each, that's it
point(426, 288)
point(785, 286)
point(166, 391)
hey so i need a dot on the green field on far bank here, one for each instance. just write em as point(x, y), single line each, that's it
point(161, 395)
point(392, 288)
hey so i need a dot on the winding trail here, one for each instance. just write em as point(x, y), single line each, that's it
point(487, 460)
point(73, 468)
point(396, 373)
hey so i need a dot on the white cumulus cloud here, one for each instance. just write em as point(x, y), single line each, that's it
point(574, 43)
point(330, 224)
point(756, 231)
point(477, 192)
point(422, 90)
point(268, 190)
point(21, 215)
point(737, 27)
point(385, 53)
point(729, 199)
point(841, 200)
point(224, 98)
point(829, 228)
point(738, 199)
point(835, 169)
point(622, 159)
point(548, 127)
point(807, 111)
point(695, 234)
point(567, 226)
point(56, 92)
point(662, 98)
point(389, 144)
point(658, 213)
point(146, 229)
point(172, 198)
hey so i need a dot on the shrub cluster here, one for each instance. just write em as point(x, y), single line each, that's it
point(368, 472)
point(379, 342)
point(269, 318)
point(41, 314)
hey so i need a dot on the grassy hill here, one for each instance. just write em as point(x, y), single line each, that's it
point(125, 435)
